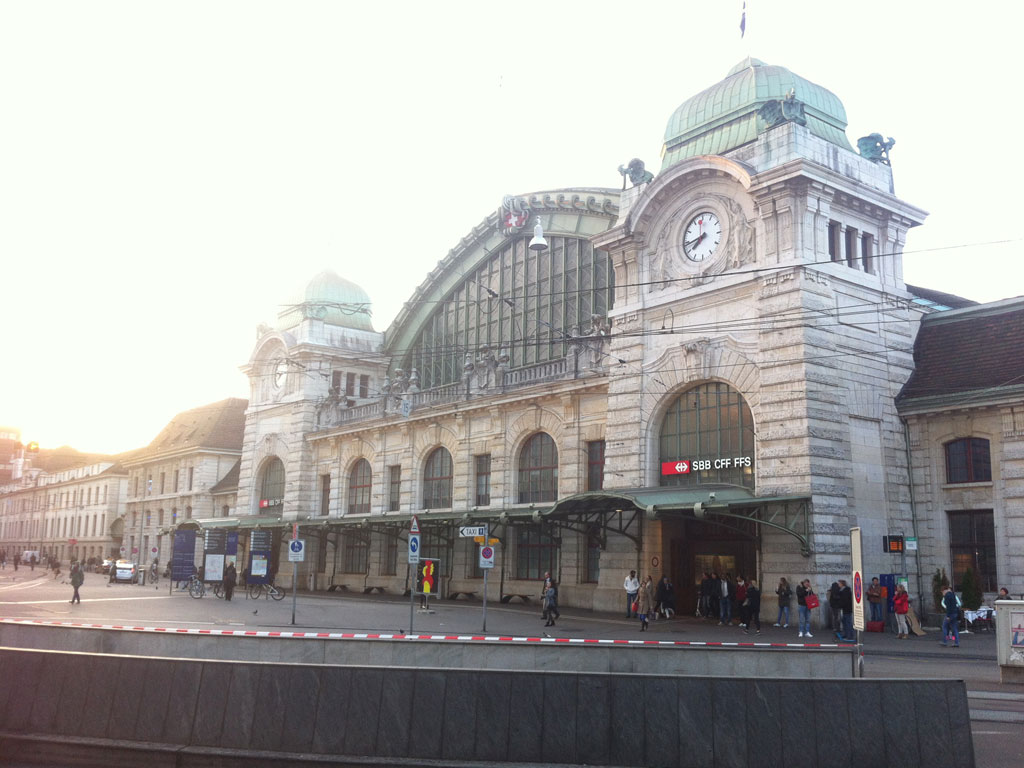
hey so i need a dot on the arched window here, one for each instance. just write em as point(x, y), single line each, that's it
point(437, 480)
point(968, 461)
point(359, 481)
point(707, 436)
point(272, 487)
point(538, 469)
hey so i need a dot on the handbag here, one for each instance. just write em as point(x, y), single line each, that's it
point(811, 600)
point(636, 605)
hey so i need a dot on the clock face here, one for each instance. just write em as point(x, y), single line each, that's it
point(280, 372)
point(702, 235)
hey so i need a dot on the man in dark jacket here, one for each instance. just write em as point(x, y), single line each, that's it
point(846, 604)
point(950, 624)
point(753, 600)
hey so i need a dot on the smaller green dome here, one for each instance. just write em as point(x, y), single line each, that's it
point(725, 116)
point(330, 298)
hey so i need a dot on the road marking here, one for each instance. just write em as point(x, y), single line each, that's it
point(86, 600)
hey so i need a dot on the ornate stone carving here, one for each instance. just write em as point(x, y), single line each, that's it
point(875, 147)
point(513, 214)
point(694, 353)
point(487, 371)
point(590, 346)
point(636, 172)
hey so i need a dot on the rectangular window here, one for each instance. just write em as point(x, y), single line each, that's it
point(972, 544)
point(388, 555)
point(336, 382)
point(968, 461)
point(321, 552)
point(833, 241)
point(191, 474)
point(135, 486)
point(364, 386)
point(595, 465)
point(350, 384)
point(592, 555)
point(867, 243)
point(394, 487)
point(354, 550)
point(325, 494)
point(163, 477)
point(851, 247)
point(483, 479)
point(536, 553)
point(472, 554)
point(149, 485)
point(177, 477)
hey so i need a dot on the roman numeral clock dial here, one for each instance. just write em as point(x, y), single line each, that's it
point(702, 235)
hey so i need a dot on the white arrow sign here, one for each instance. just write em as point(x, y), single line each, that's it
point(472, 531)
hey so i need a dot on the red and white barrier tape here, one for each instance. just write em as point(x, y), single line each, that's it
point(396, 636)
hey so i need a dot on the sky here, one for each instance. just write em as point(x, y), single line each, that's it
point(171, 173)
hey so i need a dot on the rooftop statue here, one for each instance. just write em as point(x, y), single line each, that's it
point(875, 148)
point(636, 173)
point(787, 110)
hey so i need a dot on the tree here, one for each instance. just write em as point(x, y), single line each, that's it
point(971, 591)
point(939, 580)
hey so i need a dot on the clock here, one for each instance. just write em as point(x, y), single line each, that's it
point(701, 236)
point(281, 372)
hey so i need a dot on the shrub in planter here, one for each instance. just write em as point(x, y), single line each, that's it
point(939, 580)
point(971, 595)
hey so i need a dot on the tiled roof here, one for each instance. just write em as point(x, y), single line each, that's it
point(974, 350)
point(229, 482)
point(218, 426)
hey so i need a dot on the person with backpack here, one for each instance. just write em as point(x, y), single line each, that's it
point(951, 624)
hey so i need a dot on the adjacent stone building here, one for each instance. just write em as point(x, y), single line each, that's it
point(173, 479)
point(964, 411)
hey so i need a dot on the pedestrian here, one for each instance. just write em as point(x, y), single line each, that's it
point(785, 597)
point(666, 597)
point(846, 604)
point(632, 587)
point(901, 607)
point(113, 571)
point(77, 577)
point(741, 601)
point(835, 610)
point(1004, 594)
point(543, 592)
point(32, 562)
point(56, 568)
point(551, 603)
point(753, 601)
point(17, 557)
point(951, 624)
point(645, 602)
point(875, 599)
point(726, 592)
point(3, 561)
point(713, 600)
point(706, 590)
point(230, 577)
point(804, 591)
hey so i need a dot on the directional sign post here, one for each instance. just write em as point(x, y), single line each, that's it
point(414, 559)
point(296, 554)
point(858, 592)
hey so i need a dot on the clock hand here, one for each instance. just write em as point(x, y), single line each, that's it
point(697, 239)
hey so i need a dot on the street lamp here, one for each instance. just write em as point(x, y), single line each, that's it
point(538, 243)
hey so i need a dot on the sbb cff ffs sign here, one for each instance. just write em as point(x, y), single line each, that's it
point(686, 466)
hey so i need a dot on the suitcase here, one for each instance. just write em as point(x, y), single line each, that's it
point(876, 626)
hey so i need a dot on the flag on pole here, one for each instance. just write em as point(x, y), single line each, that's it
point(743, 20)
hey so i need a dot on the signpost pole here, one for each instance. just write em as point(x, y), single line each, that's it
point(414, 561)
point(295, 574)
point(412, 594)
point(858, 595)
point(487, 533)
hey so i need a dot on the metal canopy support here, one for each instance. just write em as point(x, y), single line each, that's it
point(791, 518)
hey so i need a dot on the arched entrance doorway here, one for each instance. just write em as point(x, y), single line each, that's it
point(706, 442)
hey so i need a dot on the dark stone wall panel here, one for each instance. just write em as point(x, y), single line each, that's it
point(661, 721)
point(300, 714)
point(396, 702)
point(127, 700)
point(593, 720)
point(150, 723)
point(458, 739)
point(363, 711)
point(799, 742)
point(426, 720)
point(493, 712)
point(899, 723)
point(212, 703)
point(559, 728)
point(331, 711)
point(183, 702)
point(832, 724)
point(867, 742)
point(765, 723)
point(50, 686)
point(694, 705)
point(271, 704)
point(628, 734)
point(525, 731)
point(74, 696)
point(241, 719)
point(729, 706)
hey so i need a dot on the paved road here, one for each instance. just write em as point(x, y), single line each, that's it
point(997, 710)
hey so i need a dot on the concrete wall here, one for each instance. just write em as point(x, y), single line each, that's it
point(668, 659)
point(97, 710)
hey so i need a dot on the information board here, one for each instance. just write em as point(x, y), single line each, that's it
point(183, 554)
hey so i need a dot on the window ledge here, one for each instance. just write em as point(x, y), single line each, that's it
point(954, 486)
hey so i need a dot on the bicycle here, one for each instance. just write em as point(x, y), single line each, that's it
point(196, 588)
point(256, 591)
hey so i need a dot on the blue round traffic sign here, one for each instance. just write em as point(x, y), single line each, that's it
point(414, 544)
point(296, 545)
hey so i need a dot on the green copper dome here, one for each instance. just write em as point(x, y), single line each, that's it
point(332, 299)
point(725, 116)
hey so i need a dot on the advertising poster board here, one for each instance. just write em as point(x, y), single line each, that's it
point(260, 544)
point(183, 556)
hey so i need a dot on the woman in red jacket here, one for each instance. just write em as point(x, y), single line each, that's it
point(901, 605)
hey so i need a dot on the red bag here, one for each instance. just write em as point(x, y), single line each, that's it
point(636, 605)
point(811, 600)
